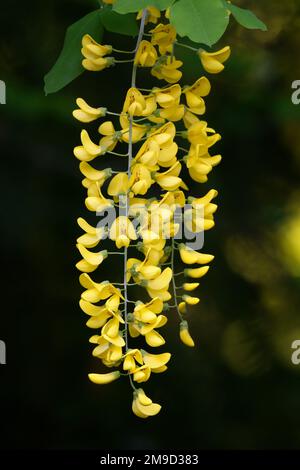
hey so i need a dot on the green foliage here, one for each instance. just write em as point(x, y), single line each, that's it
point(203, 22)
point(246, 18)
point(68, 65)
point(122, 24)
point(128, 6)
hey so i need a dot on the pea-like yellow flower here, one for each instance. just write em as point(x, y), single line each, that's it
point(111, 137)
point(185, 335)
point(167, 97)
point(92, 235)
point(90, 261)
point(86, 113)
point(140, 180)
point(122, 231)
point(138, 130)
point(94, 53)
point(146, 55)
point(169, 180)
point(190, 286)
point(190, 256)
point(97, 202)
point(142, 410)
point(134, 103)
point(168, 70)
point(190, 300)
point(152, 17)
point(195, 93)
point(163, 36)
point(213, 62)
point(104, 378)
point(119, 184)
point(197, 272)
point(88, 151)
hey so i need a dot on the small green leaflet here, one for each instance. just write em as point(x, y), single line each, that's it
point(120, 24)
point(130, 6)
point(245, 17)
point(203, 21)
point(68, 65)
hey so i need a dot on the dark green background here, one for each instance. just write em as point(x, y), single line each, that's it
point(237, 388)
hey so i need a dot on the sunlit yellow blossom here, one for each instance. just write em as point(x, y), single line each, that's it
point(195, 93)
point(104, 378)
point(146, 55)
point(86, 113)
point(213, 61)
point(138, 130)
point(119, 184)
point(111, 137)
point(140, 180)
point(134, 103)
point(185, 335)
point(94, 53)
point(168, 70)
point(163, 36)
point(122, 231)
point(153, 15)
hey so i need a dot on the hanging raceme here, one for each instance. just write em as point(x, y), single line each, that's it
point(164, 132)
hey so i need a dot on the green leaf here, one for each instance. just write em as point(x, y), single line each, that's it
point(122, 24)
point(131, 6)
point(68, 65)
point(203, 21)
point(246, 17)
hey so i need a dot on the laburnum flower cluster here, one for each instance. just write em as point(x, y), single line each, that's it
point(151, 123)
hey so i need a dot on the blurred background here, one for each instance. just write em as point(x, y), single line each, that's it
point(238, 388)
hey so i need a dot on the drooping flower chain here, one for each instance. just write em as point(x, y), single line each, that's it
point(149, 120)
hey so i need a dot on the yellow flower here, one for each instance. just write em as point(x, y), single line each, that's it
point(111, 376)
point(190, 300)
point(97, 291)
point(213, 61)
point(148, 153)
point(185, 335)
point(118, 185)
point(140, 180)
point(98, 202)
point(167, 70)
point(198, 134)
point(163, 36)
point(122, 231)
point(197, 272)
point(138, 130)
point(146, 55)
point(92, 235)
point(134, 103)
point(90, 261)
point(153, 15)
point(167, 97)
point(94, 55)
point(111, 137)
point(190, 256)
point(142, 406)
point(88, 150)
point(86, 113)
point(169, 180)
point(194, 95)
point(93, 176)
